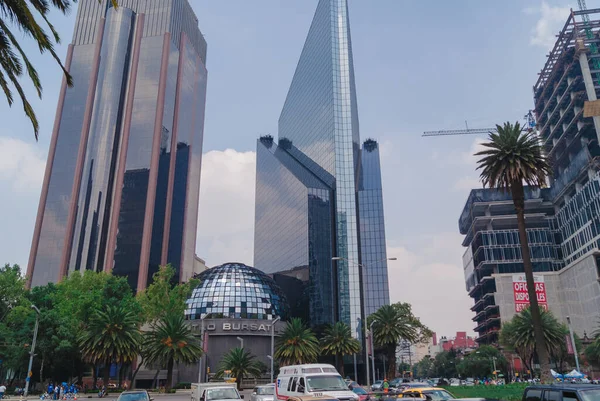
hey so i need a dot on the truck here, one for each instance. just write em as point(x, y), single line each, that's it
point(215, 391)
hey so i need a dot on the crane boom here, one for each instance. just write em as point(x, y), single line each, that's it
point(466, 131)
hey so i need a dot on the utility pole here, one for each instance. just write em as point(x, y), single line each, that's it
point(32, 352)
point(273, 345)
point(573, 342)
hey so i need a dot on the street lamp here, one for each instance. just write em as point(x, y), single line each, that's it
point(273, 344)
point(372, 349)
point(573, 343)
point(241, 341)
point(31, 353)
point(200, 375)
point(362, 266)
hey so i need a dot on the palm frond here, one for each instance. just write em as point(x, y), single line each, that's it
point(512, 157)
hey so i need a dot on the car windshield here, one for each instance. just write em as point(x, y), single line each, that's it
point(590, 395)
point(221, 394)
point(359, 390)
point(270, 390)
point(326, 383)
point(438, 395)
point(140, 396)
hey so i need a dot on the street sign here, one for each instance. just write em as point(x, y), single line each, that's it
point(27, 379)
point(30, 373)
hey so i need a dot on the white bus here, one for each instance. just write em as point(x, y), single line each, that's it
point(315, 380)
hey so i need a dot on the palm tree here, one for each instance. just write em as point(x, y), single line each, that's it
point(393, 323)
point(337, 340)
point(297, 344)
point(519, 334)
point(170, 340)
point(241, 363)
point(19, 14)
point(512, 158)
point(112, 336)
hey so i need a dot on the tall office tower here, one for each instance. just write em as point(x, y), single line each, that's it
point(563, 221)
point(120, 191)
point(309, 184)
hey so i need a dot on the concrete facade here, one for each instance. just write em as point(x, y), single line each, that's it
point(573, 291)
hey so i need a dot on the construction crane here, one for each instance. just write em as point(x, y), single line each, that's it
point(529, 126)
point(590, 35)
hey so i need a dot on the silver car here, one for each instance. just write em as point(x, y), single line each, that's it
point(263, 393)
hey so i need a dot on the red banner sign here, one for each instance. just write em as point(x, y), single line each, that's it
point(521, 296)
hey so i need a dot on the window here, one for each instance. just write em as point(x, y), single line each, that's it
point(551, 395)
point(569, 396)
point(533, 395)
point(301, 385)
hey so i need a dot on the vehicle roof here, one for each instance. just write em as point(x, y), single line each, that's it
point(266, 385)
point(300, 369)
point(309, 398)
point(568, 386)
point(424, 389)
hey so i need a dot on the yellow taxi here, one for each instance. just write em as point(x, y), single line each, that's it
point(428, 393)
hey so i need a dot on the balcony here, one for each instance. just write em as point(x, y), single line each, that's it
point(568, 177)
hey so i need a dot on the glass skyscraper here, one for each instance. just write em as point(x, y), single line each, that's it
point(318, 194)
point(120, 191)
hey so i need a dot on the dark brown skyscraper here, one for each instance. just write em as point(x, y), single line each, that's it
point(121, 187)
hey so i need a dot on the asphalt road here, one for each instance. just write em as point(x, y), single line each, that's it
point(179, 396)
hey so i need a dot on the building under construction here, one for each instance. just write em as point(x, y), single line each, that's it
point(563, 221)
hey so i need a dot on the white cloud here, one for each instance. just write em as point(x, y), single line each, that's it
point(430, 277)
point(22, 165)
point(226, 215)
point(551, 20)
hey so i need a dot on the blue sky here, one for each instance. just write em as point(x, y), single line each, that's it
point(419, 66)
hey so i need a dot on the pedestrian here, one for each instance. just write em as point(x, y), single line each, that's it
point(2, 390)
point(386, 386)
point(56, 391)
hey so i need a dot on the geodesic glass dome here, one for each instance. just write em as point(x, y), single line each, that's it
point(234, 290)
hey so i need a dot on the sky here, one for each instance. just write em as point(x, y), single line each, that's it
point(419, 66)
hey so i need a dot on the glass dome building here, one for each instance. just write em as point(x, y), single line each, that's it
point(234, 290)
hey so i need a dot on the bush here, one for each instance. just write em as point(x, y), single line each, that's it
point(183, 386)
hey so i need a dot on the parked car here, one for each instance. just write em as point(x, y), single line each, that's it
point(134, 395)
point(363, 395)
point(377, 385)
point(564, 391)
point(263, 393)
point(436, 394)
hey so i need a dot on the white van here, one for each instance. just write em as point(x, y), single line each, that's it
point(317, 380)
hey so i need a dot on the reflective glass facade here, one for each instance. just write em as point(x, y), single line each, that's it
point(319, 134)
point(372, 230)
point(234, 290)
point(133, 130)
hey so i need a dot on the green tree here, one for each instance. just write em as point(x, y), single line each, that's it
point(241, 363)
point(445, 364)
point(163, 296)
point(169, 341)
point(112, 336)
point(337, 340)
point(297, 344)
point(511, 158)
point(12, 289)
point(424, 367)
point(481, 362)
point(393, 323)
point(20, 15)
point(518, 334)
